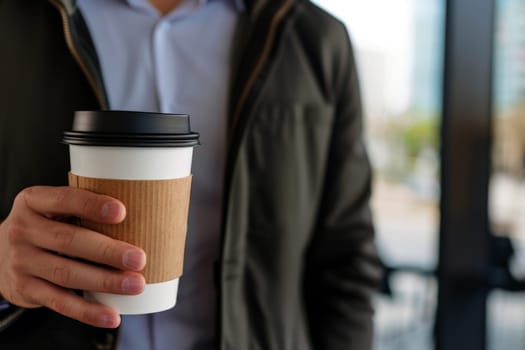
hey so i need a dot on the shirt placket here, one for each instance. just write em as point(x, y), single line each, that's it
point(166, 94)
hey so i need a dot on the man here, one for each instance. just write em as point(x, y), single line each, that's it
point(280, 242)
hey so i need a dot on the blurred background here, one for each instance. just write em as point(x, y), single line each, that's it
point(443, 87)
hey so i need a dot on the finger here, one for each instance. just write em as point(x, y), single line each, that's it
point(53, 201)
point(73, 274)
point(79, 242)
point(66, 303)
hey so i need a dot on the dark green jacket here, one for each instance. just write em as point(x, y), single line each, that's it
point(298, 265)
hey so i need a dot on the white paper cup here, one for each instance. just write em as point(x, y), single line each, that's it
point(113, 154)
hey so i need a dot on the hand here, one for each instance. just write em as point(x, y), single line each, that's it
point(37, 254)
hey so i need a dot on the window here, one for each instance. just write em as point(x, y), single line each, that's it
point(399, 49)
point(506, 310)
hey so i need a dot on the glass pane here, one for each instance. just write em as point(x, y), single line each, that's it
point(506, 310)
point(399, 48)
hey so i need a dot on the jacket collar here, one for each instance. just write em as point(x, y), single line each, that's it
point(69, 5)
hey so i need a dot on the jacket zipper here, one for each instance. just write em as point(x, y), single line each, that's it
point(276, 19)
point(76, 55)
point(98, 95)
point(260, 63)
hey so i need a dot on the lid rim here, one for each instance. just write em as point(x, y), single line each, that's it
point(130, 128)
point(76, 142)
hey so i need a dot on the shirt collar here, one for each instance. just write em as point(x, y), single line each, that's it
point(239, 5)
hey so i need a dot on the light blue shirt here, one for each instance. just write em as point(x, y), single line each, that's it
point(179, 63)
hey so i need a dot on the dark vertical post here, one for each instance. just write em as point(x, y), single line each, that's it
point(465, 139)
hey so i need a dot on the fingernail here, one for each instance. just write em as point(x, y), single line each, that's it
point(110, 210)
point(108, 321)
point(132, 285)
point(134, 259)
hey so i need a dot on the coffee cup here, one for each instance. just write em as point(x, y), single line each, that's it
point(144, 160)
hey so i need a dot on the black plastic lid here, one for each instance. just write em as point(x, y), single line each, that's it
point(131, 129)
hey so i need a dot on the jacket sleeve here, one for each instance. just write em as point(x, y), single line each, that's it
point(343, 269)
point(8, 314)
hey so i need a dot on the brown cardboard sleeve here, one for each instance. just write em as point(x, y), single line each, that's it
point(156, 219)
